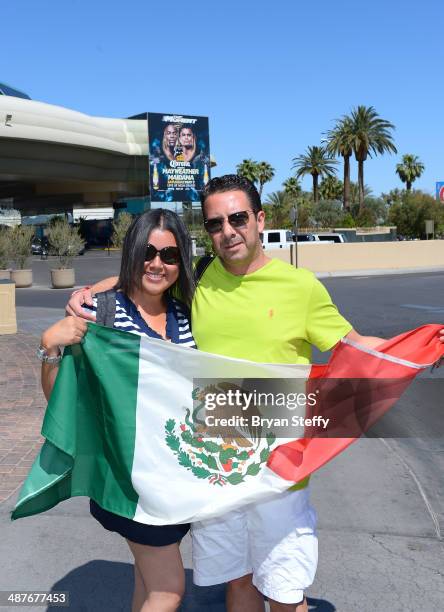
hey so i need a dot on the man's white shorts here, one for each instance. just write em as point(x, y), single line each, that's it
point(274, 540)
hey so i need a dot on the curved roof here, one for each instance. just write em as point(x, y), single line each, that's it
point(36, 121)
point(7, 90)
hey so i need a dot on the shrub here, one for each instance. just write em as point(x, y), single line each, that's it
point(120, 227)
point(347, 221)
point(20, 244)
point(65, 241)
point(5, 247)
point(410, 215)
point(328, 213)
point(203, 240)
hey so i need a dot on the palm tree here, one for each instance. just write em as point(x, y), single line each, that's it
point(248, 169)
point(317, 162)
point(354, 192)
point(331, 188)
point(410, 169)
point(265, 172)
point(340, 142)
point(370, 134)
point(278, 202)
point(292, 187)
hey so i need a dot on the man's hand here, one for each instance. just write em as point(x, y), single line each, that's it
point(441, 335)
point(369, 341)
point(74, 308)
point(84, 296)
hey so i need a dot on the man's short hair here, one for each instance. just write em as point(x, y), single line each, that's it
point(232, 182)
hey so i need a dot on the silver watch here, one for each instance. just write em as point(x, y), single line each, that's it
point(45, 358)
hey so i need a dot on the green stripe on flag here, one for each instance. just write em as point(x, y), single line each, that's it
point(90, 427)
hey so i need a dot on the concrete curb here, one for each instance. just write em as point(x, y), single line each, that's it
point(387, 272)
point(336, 274)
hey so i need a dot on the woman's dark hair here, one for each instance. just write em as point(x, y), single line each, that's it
point(134, 248)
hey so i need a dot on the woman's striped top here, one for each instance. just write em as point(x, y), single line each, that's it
point(128, 318)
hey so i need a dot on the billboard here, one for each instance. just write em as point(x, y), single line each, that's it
point(440, 191)
point(179, 157)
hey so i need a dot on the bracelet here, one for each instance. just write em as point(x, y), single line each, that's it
point(43, 356)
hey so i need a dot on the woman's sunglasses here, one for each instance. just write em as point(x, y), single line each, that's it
point(236, 220)
point(169, 255)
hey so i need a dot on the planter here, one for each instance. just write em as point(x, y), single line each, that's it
point(5, 274)
point(63, 279)
point(22, 278)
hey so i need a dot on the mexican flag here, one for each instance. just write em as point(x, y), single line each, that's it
point(122, 424)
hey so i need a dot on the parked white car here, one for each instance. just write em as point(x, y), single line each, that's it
point(329, 237)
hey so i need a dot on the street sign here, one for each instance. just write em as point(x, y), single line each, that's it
point(429, 227)
point(440, 191)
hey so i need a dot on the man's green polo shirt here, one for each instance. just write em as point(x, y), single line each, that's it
point(272, 315)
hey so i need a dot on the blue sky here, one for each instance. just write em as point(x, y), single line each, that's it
point(271, 76)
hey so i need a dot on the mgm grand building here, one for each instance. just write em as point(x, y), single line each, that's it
point(54, 160)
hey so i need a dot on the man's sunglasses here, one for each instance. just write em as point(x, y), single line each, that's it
point(169, 255)
point(237, 219)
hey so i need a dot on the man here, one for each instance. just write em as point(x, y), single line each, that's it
point(169, 140)
point(187, 141)
point(251, 307)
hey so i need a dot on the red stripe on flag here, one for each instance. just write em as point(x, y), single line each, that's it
point(387, 380)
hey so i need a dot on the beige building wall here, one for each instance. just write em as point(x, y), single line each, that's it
point(366, 256)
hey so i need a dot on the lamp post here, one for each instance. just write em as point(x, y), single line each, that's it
point(294, 220)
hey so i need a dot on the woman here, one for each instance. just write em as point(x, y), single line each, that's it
point(156, 259)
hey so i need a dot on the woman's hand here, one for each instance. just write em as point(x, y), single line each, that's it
point(69, 330)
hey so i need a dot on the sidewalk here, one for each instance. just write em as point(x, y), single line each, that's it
point(22, 406)
point(378, 546)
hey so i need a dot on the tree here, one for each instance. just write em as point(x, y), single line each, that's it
point(370, 135)
point(277, 207)
point(409, 170)
point(120, 227)
point(65, 241)
point(409, 215)
point(393, 196)
point(340, 142)
point(317, 162)
point(354, 193)
point(248, 169)
point(20, 244)
point(331, 188)
point(292, 187)
point(5, 247)
point(256, 172)
point(265, 172)
point(328, 213)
